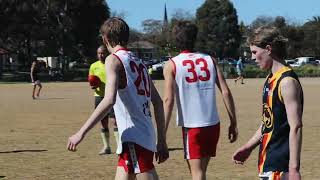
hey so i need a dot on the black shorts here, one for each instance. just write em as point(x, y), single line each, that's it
point(97, 100)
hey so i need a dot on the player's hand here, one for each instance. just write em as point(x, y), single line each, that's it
point(73, 141)
point(241, 155)
point(293, 174)
point(162, 153)
point(233, 133)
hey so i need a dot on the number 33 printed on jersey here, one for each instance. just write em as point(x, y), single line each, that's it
point(194, 77)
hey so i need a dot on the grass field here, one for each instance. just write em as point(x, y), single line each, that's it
point(33, 134)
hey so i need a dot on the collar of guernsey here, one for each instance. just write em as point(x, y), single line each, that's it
point(98, 69)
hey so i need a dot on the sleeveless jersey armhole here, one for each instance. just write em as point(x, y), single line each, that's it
point(123, 82)
point(279, 88)
point(174, 68)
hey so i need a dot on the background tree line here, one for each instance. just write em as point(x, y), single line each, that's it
point(51, 27)
point(221, 33)
point(71, 28)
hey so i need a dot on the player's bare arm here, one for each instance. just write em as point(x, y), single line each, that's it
point(113, 66)
point(169, 91)
point(228, 102)
point(162, 153)
point(32, 70)
point(291, 93)
point(243, 153)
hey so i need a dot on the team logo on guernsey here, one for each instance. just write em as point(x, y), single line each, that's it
point(267, 91)
point(146, 109)
point(267, 117)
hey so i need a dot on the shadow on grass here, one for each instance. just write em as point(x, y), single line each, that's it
point(57, 98)
point(175, 149)
point(23, 150)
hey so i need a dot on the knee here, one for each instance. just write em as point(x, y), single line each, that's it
point(104, 123)
point(198, 174)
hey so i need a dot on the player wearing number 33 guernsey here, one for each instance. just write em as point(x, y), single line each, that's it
point(191, 78)
point(130, 91)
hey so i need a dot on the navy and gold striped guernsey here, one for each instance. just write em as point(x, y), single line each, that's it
point(274, 145)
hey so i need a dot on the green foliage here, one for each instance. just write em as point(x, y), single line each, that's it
point(295, 34)
point(218, 28)
point(311, 44)
point(87, 17)
point(253, 71)
point(52, 27)
point(76, 74)
point(308, 71)
point(154, 32)
point(152, 26)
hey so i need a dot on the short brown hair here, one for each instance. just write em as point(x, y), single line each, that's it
point(269, 35)
point(116, 30)
point(184, 34)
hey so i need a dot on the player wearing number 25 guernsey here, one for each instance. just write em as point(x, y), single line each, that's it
point(191, 78)
point(130, 90)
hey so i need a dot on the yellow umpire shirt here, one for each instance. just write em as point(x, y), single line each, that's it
point(98, 69)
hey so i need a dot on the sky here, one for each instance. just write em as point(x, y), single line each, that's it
point(295, 11)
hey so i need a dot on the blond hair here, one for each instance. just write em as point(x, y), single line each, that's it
point(116, 30)
point(266, 35)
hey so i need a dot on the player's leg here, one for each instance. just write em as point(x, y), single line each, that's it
point(199, 146)
point(138, 161)
point(241, 77)
point(40, 87)
point(112, 120)
point(33, 91)
point(121, 174)
point(236, 79)
point(150, 175)
point(198, 168)
point(105, 135)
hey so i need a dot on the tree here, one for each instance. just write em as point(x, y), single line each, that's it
point(280, 22)
point(262, 21)
point(88, 16)
point(218, 28)
point(121, 14)
point(152, 26)
point(51, 27)
point(20, 26)
point(294, 33)
point(153, 32)
point(311, 41)
point(181, 14)
point(135, 35)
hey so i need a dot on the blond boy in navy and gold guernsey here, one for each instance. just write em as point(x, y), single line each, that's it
point(280, 134)
point(98, 69)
